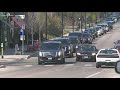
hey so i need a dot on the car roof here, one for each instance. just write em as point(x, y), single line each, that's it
point(52, 42)
point(108, 49)
point(86, 45)
point(72, 37)
point(60, 38)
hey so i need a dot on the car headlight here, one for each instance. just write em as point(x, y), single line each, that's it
point(88, 38)
point(59, 53)
point(76, 46)
point(78, 53)
point(40, 53)
point(93, 54)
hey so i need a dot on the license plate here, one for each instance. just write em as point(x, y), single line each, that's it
point(85, 56)
point(49, 58)
point(107, 60)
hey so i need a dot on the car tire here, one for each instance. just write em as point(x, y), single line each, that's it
point(98, 65)
point(39, 63)
point(62, 61)
point(71, 55)
point(77, 58)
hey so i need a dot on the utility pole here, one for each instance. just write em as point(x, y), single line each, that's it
point(85, 21)
point(81, 22)
point(73, 20)
point(46, 25)
point(62, 24)
point(2, 42)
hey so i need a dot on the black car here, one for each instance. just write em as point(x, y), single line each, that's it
point(74, 40)
point(86, 52)
point(67, 46)
point(51, 51)
point(79, 34)
point(91, 31)
point(87, 38)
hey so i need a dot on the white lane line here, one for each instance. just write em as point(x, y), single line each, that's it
point(69, 64)
point(88, 65)
point(28, 65)
point(48, 65)
point(94, 74)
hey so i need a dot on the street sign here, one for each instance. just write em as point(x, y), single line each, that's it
point(22, 37)
point(23, 26)
point(1, 44)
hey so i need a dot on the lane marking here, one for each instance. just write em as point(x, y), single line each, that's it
point(48, 65)
point(28, 65)
point(88, 65)
point(69, 64)
point(94, 74)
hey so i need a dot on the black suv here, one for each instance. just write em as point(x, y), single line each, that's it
point(86, 52)
point(74, 40)
point(87, 38)
point(78, 34)
point(67, 46)
point(51, 51)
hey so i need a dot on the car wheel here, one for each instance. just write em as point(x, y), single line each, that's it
point(39, 62)
point(63, 60)
point(77, 58)
point(98, 65)
point(71, 55)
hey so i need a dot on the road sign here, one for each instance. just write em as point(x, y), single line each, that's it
point(22, 37)
point(1, 44)
point(23, 26)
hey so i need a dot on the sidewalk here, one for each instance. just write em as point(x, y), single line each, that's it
point(10, 54)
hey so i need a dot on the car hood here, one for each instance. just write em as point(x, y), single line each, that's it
point(87, 52)
point(49, 52)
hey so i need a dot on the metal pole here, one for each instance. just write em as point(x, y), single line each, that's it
point(85, 20)
point(81, 22)
point(23, 43)
point(2, 41)
point(62, 24)
point(46, 25)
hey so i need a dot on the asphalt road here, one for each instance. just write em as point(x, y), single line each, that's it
point(71, 69)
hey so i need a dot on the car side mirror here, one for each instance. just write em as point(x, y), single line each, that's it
point(117, 67)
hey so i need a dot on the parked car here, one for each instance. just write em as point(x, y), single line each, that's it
point(86, 52)
point(74, 40)
point(117, 46)
point(51, 51)
point(117, 42)
point(66, 45)
point(107, 57)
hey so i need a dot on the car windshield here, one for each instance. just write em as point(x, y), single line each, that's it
point(73, 41)
point(86, 48)
point(75, 34)
point(50, 46)
point(118, 42)
point(86, 35)
point(108, 52)
point(63, 41)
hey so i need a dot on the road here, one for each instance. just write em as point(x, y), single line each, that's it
point(71, 69)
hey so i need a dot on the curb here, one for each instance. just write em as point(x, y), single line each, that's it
point(29, 57)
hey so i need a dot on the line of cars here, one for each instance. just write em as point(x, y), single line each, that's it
point(79, 42)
